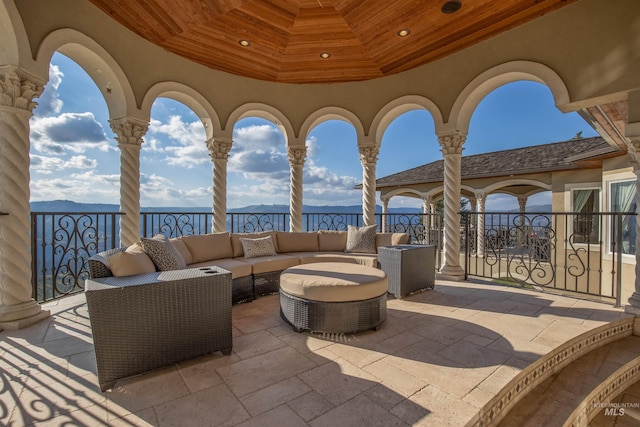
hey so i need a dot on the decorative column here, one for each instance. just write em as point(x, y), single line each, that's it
point(451, 144)
point(522, 233)
point(296, 165)
point(634, 152)
point(481, 200)
point(385, 212)
point(368, 158)
point(17, 308)
point(219, 152)
point(129, 133)
point(427, 222)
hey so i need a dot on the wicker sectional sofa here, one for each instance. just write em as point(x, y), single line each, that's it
point(260, 275)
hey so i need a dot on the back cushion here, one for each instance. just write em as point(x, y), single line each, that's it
point(130, 262)
point(391, 239)
point(236, 245)
point(182, 249)
point(330, 240)
point(297, 242)
point(207, 247)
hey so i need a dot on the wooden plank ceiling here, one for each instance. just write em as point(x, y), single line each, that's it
point(287, 37)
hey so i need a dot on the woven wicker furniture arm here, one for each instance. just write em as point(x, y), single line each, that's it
point(148, 321)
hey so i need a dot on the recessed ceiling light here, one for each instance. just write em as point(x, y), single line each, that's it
point(451, 6)
point(404, 32)
point(244, 43)
point(325, 55)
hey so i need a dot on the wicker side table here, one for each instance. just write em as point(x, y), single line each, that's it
point(148, 321)
point(409, 268)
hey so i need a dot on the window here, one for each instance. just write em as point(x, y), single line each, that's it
point(586, 222)
point(623, 199)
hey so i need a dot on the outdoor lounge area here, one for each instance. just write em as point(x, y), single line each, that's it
point(462, 351)
point(440, 356)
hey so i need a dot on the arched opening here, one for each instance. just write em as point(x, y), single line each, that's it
point(332, 168)
point(258, 166)
point(175, 169)
point(73, 153)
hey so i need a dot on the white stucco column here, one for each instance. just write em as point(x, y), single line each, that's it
point(385, 212)
point(427, 221)
point(219, 152)
point(451, 144)
point(296, 167)
point(368, 158)
point(522, 204)
point(634, 153)
point(17, 308)
point(129, 133)
point(481, 201)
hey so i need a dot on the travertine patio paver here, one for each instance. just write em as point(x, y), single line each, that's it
point(440, 356)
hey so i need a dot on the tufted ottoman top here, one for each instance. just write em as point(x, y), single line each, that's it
point(333, 282)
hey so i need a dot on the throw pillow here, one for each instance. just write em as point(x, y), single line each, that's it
point(361, 240)
point(163, 254)
point(130, 262)
point(258, 247)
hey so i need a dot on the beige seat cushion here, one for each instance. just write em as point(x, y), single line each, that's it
point(206, 247)
point(370, 260)
point(334, 282)
point(268, 264)
point(130, 262)
point(236, 267)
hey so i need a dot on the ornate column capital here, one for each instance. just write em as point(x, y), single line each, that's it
point(129, 131)
point(219, 148)
point(297, 155)
point(17, 90)
point(452, 142)
point(368, 154)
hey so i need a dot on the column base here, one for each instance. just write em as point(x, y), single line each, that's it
point(634, 304)
point(455, 274)
point(18, 316)
point(14, 325)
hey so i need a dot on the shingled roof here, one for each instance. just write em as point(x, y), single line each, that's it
point(556, 156)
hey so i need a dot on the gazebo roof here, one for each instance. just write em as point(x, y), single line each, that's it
point(583, 153)
point(312, 41)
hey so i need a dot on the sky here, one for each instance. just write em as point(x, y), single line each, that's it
point(74, 155)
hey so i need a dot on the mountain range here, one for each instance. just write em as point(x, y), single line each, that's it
point(71, 206)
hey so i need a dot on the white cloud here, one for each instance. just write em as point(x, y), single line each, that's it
point(48, 165)
point(49, 103)
point(87, 187)
point(184, 142)
point(74, 132)
point(156, 190)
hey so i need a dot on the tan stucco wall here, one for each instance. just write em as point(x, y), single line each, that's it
point(593, 45)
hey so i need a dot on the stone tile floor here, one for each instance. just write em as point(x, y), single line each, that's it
point(439, 357)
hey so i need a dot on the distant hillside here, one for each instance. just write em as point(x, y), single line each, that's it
point(70, 206)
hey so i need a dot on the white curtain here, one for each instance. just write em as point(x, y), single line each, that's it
point(623, 196)
point(580, 198)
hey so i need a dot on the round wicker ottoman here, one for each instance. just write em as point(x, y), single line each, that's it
point(333, 297)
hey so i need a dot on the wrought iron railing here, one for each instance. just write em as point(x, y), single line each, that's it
point(579, 253)
point(61, 243)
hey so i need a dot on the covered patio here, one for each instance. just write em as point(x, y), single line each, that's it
point(455, 355)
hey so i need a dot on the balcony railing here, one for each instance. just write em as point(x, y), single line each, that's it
point(563, 251)
point(579, 253)
point(61, 243)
